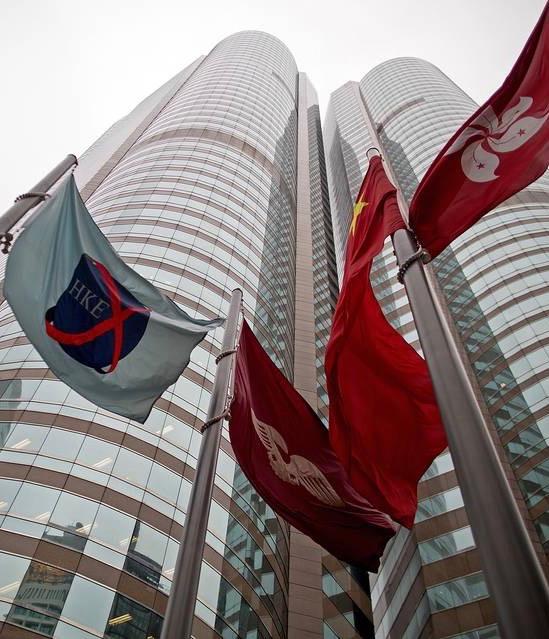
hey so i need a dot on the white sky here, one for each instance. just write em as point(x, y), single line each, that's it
point(70, 68)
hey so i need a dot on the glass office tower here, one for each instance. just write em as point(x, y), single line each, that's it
point(215, 181)
point(494, 278)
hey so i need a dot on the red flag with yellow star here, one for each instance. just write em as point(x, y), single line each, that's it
point(384, 422)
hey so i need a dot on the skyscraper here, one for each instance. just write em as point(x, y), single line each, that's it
point(217, 180)
point(494, 279)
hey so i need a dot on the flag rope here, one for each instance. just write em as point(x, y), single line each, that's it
point(210, 422)
point(224, 354)
point(226, 414)
point(41, 194)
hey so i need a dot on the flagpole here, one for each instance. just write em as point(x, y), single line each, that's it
point(26, 201)
point(178, 620)
point(515, 578)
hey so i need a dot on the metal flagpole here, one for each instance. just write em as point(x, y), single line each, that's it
point(25, 202)
point(178, 620)
point(515, 578)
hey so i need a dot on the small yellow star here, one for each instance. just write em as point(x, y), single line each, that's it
point(356, 212)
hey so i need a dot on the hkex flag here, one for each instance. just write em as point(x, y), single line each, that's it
point(101, 328)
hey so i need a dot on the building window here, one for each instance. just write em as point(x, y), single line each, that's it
point(446, 545)
point(439, 504)
point(457, 592)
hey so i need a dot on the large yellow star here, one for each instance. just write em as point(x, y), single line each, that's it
point(356, 212)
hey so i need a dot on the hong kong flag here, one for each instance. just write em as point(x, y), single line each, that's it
point(283, 449)
point(384, 422)
point(501, 148)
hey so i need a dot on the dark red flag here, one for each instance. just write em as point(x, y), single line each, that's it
point(384, 422)
point(283, 449)
point(501, 149)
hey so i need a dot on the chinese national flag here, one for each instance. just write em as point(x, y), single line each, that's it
point(283, 449)
point(384, 422)
point(501, 148)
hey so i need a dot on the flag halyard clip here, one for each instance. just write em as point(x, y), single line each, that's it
point(5, 242)
point(420, 254)
point(226, 414)
point(7, 238)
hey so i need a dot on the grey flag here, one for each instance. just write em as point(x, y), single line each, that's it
point(101, 328)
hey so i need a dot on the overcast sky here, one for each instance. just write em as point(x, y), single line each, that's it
point(70, 68)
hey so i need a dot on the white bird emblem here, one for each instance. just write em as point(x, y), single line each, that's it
point(298, 471)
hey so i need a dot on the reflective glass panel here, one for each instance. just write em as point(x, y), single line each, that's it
point(63, 444)
point(35, 502)
point(113, 528)
point(12, 573)
point(88, 604)
point(26, 437)
point(8, 490)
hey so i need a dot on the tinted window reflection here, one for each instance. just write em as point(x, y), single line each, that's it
point(74, 515)
point(113, 528)
point(146, 553)
point(132, 467)
point(88, 604)
point(44, 588)
point(97, 454)
point(26, 437)
point(129, 620)
point(8, 490)
point(12, 574)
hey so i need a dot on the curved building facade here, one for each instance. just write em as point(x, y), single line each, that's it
point(202, 201)
point(209, 184)
point(494, 278)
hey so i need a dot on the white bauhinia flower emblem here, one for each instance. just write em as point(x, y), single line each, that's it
point(298, 471)
point(494, 135)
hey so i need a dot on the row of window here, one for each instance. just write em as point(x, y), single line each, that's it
point(119, 540)
point(60, 604)
point(345, 605)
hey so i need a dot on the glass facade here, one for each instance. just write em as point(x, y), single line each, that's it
point(494, 278)
point(201, 202)
point(197, 190)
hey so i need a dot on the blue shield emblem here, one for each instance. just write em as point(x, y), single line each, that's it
point(96, 321)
